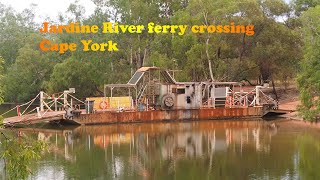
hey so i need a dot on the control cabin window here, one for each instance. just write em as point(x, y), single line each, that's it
point(181, 91)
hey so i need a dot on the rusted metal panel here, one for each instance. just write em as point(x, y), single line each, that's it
point(169, 115)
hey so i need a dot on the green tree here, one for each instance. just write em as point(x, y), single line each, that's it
point(19, 153)
point(24, 78)
point(1, 80)
point(73, 73)
point(1, 85)
point(234, 57)
point(15, 27)
point(303, 5)
point(308, 79)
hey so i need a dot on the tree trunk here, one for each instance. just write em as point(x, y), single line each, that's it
point(139, 54)
point(208, 57)
point(243, 47)
point(144, 57)
point(207, 48)
point(131, 60)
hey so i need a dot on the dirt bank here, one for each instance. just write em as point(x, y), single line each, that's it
point(289, 100)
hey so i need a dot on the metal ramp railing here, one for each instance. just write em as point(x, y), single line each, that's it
point(26, 110)
point(48, 103)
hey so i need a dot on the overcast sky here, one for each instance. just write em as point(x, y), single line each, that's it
point(51, 8)
point(48, 8)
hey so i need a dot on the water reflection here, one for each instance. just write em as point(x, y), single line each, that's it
point(194, 150)
point(309, 156)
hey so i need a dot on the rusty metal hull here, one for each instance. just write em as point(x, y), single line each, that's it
point(169, 115)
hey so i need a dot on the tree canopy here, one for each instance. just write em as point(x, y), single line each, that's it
point(309, 77)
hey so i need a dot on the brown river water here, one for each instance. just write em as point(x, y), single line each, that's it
point(185, 150)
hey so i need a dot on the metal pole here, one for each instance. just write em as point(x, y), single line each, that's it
point(131, 104)
point(65, 98)
point(233, 95)
point(111, 91)
point(213, 96)
point(38, 112)
point(110, 99)
point(241, 97)
point(88, 109)
point(136, 96)
point(41, 101)
point(209, 97)
point(258, 95)
point(55, 104)
point(147, 104)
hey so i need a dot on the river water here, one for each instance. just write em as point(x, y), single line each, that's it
point(185, 150)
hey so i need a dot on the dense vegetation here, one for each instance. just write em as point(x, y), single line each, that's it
point(285, 43)
point(309, 76)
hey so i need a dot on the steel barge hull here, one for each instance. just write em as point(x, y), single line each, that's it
point(112, 117)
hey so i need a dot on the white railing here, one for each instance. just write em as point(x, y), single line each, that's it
point(59, 101)
point(54, 102)
point(258, 97)
point(18, 107)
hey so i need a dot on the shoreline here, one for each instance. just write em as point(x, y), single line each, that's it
point(289, 101)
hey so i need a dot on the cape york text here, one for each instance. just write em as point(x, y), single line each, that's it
point(88, 45)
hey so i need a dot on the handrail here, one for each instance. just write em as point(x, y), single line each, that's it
point(141, 93)
point(47, 105)
point(31, 101)
point(76, 99)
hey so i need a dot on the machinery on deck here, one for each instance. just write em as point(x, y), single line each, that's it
point(153, 88)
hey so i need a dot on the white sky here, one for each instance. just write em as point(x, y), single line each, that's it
point(48, 8)
point(51, 8)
